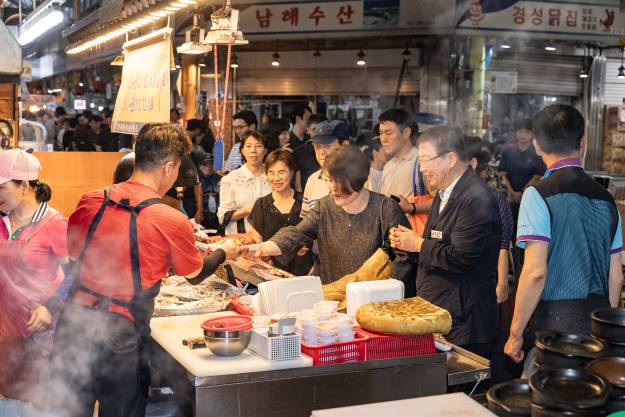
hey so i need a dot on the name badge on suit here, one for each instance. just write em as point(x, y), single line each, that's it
point(436, 234)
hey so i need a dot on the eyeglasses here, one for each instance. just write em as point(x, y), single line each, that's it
point(428, 161)
point(237, 127)
point(278, 174)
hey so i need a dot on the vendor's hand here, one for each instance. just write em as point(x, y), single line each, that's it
point(405, 239)
point(303, 251)
point(199, 217)
point(405, 205)
point(232, 248)
point(39, 319)
point(268, 248)
point(514, 348)
point(502, 293)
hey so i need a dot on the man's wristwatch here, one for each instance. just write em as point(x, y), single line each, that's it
point(414, 208)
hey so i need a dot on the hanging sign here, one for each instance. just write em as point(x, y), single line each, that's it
point(27, 71)
point(502, 82)
point(143, 95)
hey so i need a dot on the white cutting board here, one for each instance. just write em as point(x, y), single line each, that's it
point(169, 332)
point(447, 405)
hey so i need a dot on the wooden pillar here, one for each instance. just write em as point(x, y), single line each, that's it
point(190, 86)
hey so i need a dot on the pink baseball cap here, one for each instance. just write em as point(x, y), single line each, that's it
point(16, 164)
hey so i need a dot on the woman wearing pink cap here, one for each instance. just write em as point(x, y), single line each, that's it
point(33, 285)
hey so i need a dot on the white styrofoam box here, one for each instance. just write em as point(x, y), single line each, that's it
point(278, 348)
point(359, 293)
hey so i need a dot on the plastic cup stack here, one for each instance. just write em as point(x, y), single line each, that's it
point(345, 328)
point(306, 327)
point(327, 332)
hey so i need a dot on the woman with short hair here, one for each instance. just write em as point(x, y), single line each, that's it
point(349, 225)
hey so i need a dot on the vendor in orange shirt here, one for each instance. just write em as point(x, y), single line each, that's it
point(123, 240)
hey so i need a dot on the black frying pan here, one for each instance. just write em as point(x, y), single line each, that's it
point(609, 325)
point(567, 350)
point(569, 389)
point(510, 399)
point(613, 369)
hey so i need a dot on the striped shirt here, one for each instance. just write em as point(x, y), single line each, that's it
point(578, 219)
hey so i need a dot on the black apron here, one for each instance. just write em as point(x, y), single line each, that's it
point(141, 306)
point(566, 316)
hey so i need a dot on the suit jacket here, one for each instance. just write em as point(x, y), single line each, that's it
point(458, 260)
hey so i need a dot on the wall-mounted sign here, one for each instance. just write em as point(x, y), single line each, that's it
point(340, 16)
point(80, 104)
point(536, 16)
point(502, 82)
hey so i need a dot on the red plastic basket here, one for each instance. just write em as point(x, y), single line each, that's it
point(388, 346)
point(354, 350)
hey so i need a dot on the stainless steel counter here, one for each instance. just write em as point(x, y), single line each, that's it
point(242, 387)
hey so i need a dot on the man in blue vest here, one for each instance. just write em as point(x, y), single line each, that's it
point(570, 229)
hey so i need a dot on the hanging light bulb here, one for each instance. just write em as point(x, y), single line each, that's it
point(276, 59)
point(317, 54)
point(360, 58)
point(234, 61)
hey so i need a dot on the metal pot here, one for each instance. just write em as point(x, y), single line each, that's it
point(569, 389)
point(510, 399)
point(567, 350)
point(227, 343)
point(616, 349)
point(540, 411)
point(609, 325)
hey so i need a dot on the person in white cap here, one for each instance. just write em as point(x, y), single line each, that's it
point(34, 278)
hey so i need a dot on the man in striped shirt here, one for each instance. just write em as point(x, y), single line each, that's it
point(570, 229)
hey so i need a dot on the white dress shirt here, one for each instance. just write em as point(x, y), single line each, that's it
point(446, 193)
point(238, 190)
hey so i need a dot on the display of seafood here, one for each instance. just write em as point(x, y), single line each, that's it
point(177, 297)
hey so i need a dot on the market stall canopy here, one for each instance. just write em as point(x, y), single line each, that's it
point(11, 62)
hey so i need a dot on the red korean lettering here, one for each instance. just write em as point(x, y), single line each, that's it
point(571, 18)
point(317, 15)
point(291, 16)
point(537, 16)
point(518, 15)
point(345, 14)
point(265, 19)
point(554, 17)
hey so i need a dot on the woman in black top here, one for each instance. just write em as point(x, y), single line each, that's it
point(281, 208)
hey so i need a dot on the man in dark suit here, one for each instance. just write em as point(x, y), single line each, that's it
point(458, 254)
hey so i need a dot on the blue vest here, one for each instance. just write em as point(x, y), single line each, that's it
point(584, 220)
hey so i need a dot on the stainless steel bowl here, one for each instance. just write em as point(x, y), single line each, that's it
point(227, 343)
